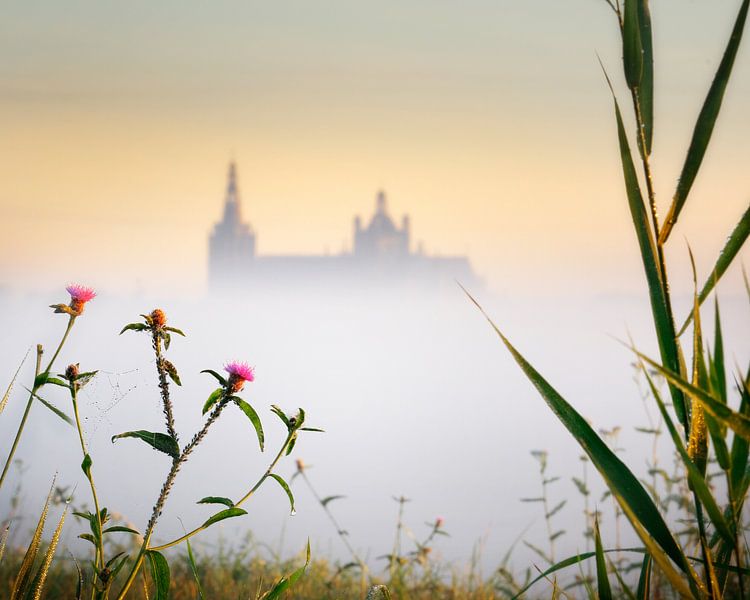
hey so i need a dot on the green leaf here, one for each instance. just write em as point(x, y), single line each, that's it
point(253, 416)
point(88, 537)
point(665, 332)
point(216, 500)
point(728, 253)
point(312, 429)
point(285, 487)
point(328, 499)
point(725, 415)
point(632, 48)
point(218, 377)
point(646, 88)
point(225, 514)
point(83, 378)
point(212, 399)
point(570, 561)
point(704, 126)
point(52, 407)
point(285, 583)
point(194, 568)
point(602, 580)
point(695, 477)
point(159, 441)
point(120, 529)
point(644, 579)
point(86, 465)
point(280, 413)
point(167, 340)
point(172, 372)
point(740, 448)
point(625, 487)
point(175, 330)
point(134, 327)
point(159, 573)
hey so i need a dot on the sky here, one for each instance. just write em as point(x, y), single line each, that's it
point(488, 122)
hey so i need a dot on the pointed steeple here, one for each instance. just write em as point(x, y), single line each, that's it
point(380, 207)
point(232, 198)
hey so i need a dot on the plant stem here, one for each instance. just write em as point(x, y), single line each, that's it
point(163, 383)
point(246, 497)
point(32, 393)
point(99, 561)
point(166, 488)
point(342, 535)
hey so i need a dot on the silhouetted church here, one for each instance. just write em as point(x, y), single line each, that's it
point(381, 254)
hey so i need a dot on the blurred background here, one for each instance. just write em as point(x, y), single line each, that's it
point(488, 123)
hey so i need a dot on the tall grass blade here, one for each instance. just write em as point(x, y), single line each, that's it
point(694, 475)
point(632, 48)
point(194, 569)
point(646, 88)
point(740, 450)
point(602, 580)
point(287, 582)
point(41, 576)
point(718, 370)
point(644, 579)
point(734, 243)
point(21, 584)
point(665, 332)
point(625, 487)
point(738, 422)
point(704, 126)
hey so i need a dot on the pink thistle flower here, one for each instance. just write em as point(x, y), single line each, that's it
point(439, 522)
point(239, 373)
point(79, 296)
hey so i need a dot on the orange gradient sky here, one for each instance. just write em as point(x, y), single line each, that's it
point(488, 122)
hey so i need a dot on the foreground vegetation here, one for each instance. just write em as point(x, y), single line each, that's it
point(702, 402)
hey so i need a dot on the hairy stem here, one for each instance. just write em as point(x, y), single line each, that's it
point(164, 493)
point(163, 383)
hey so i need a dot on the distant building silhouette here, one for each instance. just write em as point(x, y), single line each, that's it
point(381, 253)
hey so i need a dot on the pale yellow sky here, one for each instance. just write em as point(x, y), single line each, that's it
point(488, 122)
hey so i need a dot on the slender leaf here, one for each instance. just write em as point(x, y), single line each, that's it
point(218, 377)
point(134, 327)
point(253, 416)
point(602, 580)
point(625, 487)
point(632, 48)
point(734, 243)
point(86, 465)
point(287, 582)
point(644, 579)
point(120, 529)
point(328, 499)
point(194, 568)
point(704, 126)
point(735, 421)
point(227, 513)
point(285, 487)
point(159, 441)
point(695, 477)
point(646, 88)
point(212, 399)
point(665, 332)
point(159, 573)
point(175, 330)
point(52, 407)
point(216, 500)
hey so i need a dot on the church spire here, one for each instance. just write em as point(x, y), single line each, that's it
point(380, 203)
point(232, 199)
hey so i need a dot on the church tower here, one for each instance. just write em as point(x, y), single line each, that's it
point(381, 239)
point(232, 242)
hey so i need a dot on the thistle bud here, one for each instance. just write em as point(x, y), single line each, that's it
point(158, 318)
point(71, 372)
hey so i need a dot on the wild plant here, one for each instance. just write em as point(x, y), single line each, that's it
point(357, 562)
point(106, 569)
point(700, 416)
